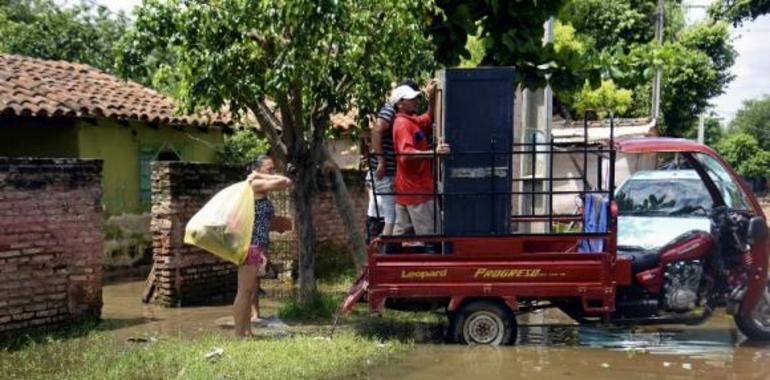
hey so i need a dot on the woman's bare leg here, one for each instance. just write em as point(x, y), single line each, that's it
point(247, 286)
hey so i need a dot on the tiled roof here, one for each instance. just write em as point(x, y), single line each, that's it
point(344, 122)
point(36, 87)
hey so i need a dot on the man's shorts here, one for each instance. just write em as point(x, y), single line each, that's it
point(386, 203)
point(419, 217)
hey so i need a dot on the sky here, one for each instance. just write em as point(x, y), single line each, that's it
point(751, 65)
point(750, 69)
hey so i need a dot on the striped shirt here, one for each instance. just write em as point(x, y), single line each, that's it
point(388, 114)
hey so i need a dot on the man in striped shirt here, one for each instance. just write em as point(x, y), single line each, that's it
point(383, 159)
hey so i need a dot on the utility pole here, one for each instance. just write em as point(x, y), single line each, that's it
point(658, 74)
point(537, 109)
point(701, 129)
point(548, 110)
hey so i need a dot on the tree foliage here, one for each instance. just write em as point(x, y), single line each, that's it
point(313, 58)
point(566, 40)
point(695, 60)
point(81, 33)
point(511, 34)
point(476, 50)
point(611, 24)
point(745, 154)
point(243, 146)
point(604, 99)
point(689, 82)
point(753, 118)
point(739, 11)
point(712, 130)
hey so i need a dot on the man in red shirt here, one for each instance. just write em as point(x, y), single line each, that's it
point(414, 163)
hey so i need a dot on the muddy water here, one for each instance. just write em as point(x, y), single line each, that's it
point(127, 316)
point(546, 348)
point(711, 351)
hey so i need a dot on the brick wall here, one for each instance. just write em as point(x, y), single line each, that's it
point(186, 275)
point(329, 226)
point(51, 241)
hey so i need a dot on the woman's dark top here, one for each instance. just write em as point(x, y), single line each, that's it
point(263, 215)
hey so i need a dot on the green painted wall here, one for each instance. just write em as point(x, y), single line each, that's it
point(27, 137)
point(122, 148)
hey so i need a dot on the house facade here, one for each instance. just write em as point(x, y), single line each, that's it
point(63, 109)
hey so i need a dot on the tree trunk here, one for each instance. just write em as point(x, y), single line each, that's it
point(347, 213)
point(302, 197)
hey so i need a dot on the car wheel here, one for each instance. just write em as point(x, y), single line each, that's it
point(483, 322)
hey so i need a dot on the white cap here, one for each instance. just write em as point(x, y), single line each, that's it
point(403, 92)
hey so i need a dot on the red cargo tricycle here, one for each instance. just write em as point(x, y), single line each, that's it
point(667, 246)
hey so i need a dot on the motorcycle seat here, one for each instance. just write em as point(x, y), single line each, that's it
point(641, 260)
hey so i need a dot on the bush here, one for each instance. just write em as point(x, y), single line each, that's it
point(603, 99)
point(745, 154)
point(242, 147)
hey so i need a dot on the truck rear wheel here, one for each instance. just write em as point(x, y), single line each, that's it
point(483, 322)
point(756, 325)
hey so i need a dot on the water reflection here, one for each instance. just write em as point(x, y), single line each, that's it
point(546, 348)
point(711, 351)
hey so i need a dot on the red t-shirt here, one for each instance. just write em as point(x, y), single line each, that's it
point(413, 175)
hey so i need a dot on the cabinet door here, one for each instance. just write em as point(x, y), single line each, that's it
point(478, 125)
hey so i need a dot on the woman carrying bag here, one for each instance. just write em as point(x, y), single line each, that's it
point(262, 180)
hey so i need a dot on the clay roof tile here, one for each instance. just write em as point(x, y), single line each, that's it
point(30, 86)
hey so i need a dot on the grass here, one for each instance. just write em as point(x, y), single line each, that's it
point(405, 327)
point(100, 356)
point(14, 341)
point(331, 292)
point(89, 350)
point(324, 307)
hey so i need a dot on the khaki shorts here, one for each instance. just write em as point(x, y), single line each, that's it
point(386, 203)
point(418, 217)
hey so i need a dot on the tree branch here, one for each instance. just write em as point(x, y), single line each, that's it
point(295, 104)
point(319, 123)
point(270, 126)
point(290, 128)
point(344, 84)
point(344, 208)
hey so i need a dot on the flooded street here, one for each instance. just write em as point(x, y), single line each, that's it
point(124, 312)
point(711, 351)
point(714, 350)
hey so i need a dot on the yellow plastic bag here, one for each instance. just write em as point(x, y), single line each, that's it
point(224, 225)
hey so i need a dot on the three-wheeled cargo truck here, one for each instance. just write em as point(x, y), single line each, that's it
point(669, 245)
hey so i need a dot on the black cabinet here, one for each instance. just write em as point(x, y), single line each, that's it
point(476, 119)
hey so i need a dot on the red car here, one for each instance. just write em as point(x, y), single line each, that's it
point(483, 282)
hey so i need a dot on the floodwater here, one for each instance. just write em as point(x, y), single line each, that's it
point(711, 351)
point(546, 348)
point(128, 317)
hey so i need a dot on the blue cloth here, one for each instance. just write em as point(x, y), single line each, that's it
point(594, 220)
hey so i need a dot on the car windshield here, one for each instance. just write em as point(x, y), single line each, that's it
point(732, 194)
point(664, 197)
